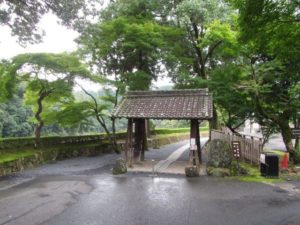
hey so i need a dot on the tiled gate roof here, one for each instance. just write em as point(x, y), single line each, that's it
point(175, 104)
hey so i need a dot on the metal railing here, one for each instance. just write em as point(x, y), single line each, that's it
point(251, 146)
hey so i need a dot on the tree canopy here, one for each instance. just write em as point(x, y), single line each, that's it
point(247, 52)
point(270, 30)
point(128, 43)
point(49, 81)
point(22, 16)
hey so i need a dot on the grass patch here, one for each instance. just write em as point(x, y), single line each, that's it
point(204, 128)
point(15, 154)
point(162, 131)
point(174, 134)
point(169, 135)
point(11, 156)
point(254, 175)
point(176, 130)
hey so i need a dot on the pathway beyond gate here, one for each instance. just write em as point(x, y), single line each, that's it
point(168, 159)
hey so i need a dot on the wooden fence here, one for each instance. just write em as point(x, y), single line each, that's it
point(251, 146)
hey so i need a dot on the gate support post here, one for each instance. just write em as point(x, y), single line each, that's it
point(143, 138)
point(148, 129)
point(129, 147)
point(195, 145)
point(140, 139)
point(198, 141)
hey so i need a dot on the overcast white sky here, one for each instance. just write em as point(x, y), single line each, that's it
point(58, 39)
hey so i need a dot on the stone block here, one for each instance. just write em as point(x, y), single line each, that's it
point(120, 167)
point(192, 171)
point(219, 154)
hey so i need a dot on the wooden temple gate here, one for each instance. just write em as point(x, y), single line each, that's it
point(140, 106)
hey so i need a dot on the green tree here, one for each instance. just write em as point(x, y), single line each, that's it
point(97, 107)
point(23, 16)
point(49, 80)
point(127, 46)
point(271, 30)
point(208, 33)
point(196, 17)
point(127, 43)
point(7, 82)
point(14, 117)
point(213, 48)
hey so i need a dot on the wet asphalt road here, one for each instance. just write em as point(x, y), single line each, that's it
point(82, 191)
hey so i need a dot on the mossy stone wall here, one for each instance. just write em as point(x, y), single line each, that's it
point(66, 151)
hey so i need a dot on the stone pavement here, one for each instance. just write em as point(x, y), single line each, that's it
point(175, 163)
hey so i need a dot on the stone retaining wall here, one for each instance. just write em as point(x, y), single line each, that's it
point(49, 155)
point(64, 152)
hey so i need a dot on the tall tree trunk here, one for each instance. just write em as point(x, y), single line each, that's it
point(286, 134)
point(114, 138)
point(38, 128)
point(214, 123)
point(200, 64)
point(40, 124)
point(202, 70)
point(113, 124)
point(37, 132)
point(297, 125)
point(101, 120)
point(111, 137)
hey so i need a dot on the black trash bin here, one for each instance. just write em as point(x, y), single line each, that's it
point(269, 165)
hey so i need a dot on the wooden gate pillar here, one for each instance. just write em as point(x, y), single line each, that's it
point(129, 145)
point(139, 139)
point(195, 145)
point(148, 129)
point(143, 138)
point(198, 141)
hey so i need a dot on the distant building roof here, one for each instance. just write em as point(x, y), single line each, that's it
point(175, 104)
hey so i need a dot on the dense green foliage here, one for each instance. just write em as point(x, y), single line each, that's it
point(271, 32)
point(128, 43)
point(7, 157)
point(22, 17)
point(246, 52)
point(16, 121)
point(15, 117)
